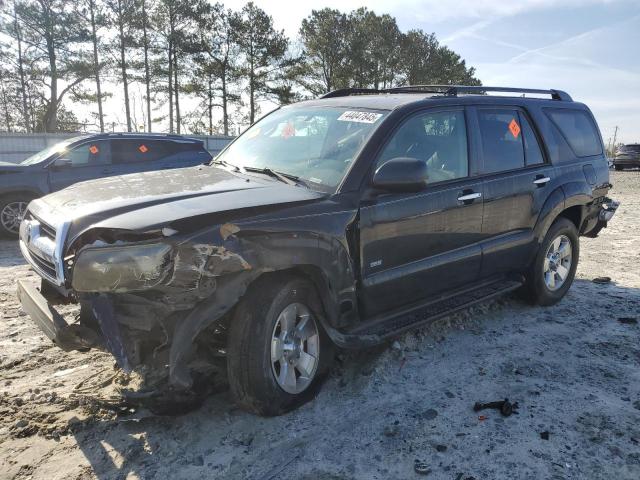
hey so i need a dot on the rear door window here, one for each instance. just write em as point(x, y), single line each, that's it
point(578, 129)
point(501, 135)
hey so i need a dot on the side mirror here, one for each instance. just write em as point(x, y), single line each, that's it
point(401, 174)
point(62, 162)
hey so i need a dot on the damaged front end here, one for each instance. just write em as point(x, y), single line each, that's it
point(155, 301)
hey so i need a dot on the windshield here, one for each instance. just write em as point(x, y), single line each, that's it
point(317, 144)
point(47, 152)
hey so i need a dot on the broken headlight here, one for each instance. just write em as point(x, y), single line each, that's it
point(121, 269)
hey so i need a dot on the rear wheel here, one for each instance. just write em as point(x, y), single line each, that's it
point(552, 272)
point(277, 353)
point(618, 167)
point(12, 209)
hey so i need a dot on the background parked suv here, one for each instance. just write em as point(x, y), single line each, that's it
point(627, 156)
point(87, 158)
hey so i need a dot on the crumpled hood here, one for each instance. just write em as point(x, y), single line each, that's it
point(145, 200)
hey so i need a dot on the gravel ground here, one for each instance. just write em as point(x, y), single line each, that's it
point(573, 369)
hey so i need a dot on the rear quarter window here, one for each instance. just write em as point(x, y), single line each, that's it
point(578, 129)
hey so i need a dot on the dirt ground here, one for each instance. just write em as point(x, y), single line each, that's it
point(573, 368)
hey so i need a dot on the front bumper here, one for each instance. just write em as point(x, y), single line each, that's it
point(67, 337)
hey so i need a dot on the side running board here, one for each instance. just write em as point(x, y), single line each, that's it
point(379, 330)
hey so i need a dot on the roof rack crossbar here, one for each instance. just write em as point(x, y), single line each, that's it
point(555, 94)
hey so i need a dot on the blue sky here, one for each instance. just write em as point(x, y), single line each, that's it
point(591, 49)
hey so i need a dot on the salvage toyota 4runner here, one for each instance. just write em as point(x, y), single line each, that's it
point(341, 221)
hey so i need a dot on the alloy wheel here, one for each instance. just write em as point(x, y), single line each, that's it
point(11, 216)
point(557, 262)
point(295, 348)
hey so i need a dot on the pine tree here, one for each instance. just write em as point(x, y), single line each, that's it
point(53, 28)
point(263, 49)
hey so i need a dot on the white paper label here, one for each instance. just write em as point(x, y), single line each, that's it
point(360, 117)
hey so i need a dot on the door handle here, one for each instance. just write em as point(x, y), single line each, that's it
point(469, 197)
point(541, 181)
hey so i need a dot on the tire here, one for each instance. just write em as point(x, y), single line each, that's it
point(12, 207)
point(259, 321)
point(551, 275)
point(618, 167)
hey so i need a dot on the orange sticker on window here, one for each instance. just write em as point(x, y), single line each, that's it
point(93, 149)
point(514, 128)
point(143, 148)
point(289, 130)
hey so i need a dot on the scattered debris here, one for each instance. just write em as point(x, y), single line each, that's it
point(482, 418)
point(243, 439)
point(544, 435)
point(391, 430)
point(628, 320)
point(505, 407)
point(430, 414)
point(441, 448)
point(421, 468)
point(21, 423)
point(602, 280)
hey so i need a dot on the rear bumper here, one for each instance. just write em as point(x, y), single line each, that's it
point(67, 337)
point(627, 162)
point(606, 211)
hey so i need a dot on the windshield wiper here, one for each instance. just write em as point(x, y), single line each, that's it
point(283, 177)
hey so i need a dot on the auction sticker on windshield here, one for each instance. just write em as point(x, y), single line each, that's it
point(360, 117)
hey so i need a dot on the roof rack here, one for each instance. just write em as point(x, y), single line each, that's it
point(146, 134)
point(345, 92)
point(448, 90)
point(456, 90)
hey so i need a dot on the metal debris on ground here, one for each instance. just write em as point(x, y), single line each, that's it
point(628, 320)
point(421, 468)
point(602, 280)
point(505, 407)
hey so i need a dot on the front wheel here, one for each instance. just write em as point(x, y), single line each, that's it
point(277, 352)
point(12, 209)
point(554, 268)
point(618, 167)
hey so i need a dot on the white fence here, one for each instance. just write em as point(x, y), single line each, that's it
point(15, 147)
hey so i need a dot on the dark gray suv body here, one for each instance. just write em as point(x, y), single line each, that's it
point(341, 221)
